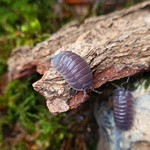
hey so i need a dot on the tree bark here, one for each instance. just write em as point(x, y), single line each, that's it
point(115, 45)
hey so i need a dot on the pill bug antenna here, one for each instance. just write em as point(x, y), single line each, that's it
point(98, 92)
point(85, 92)
point(117, 86)
point(125, 82)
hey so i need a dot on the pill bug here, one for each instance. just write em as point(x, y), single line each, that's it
point(74, 69)
point(123, 108)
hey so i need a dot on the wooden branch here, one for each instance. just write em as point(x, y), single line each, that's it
point(114, 45)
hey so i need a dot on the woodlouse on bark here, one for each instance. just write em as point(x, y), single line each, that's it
point(74, 69)
point(123, 108)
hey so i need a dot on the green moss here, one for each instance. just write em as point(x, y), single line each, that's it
point(26, 107)
point(3, 67)
point(27, 23)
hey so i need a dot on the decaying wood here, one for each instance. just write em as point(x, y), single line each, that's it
point(114, 45)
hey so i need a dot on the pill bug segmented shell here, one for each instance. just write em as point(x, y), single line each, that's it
point(74, 69)
point(123, 108)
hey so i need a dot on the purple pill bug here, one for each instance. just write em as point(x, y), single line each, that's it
point(123, 108)
point(74, 70)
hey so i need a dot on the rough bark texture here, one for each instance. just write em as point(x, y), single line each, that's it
point(114, 45)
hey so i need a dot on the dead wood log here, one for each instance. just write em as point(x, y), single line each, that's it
point(114, 45)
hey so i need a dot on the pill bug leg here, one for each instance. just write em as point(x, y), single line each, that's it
point(125, 81)
point(85, 93)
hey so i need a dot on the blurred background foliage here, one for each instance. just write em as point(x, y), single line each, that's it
point(25, 122)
